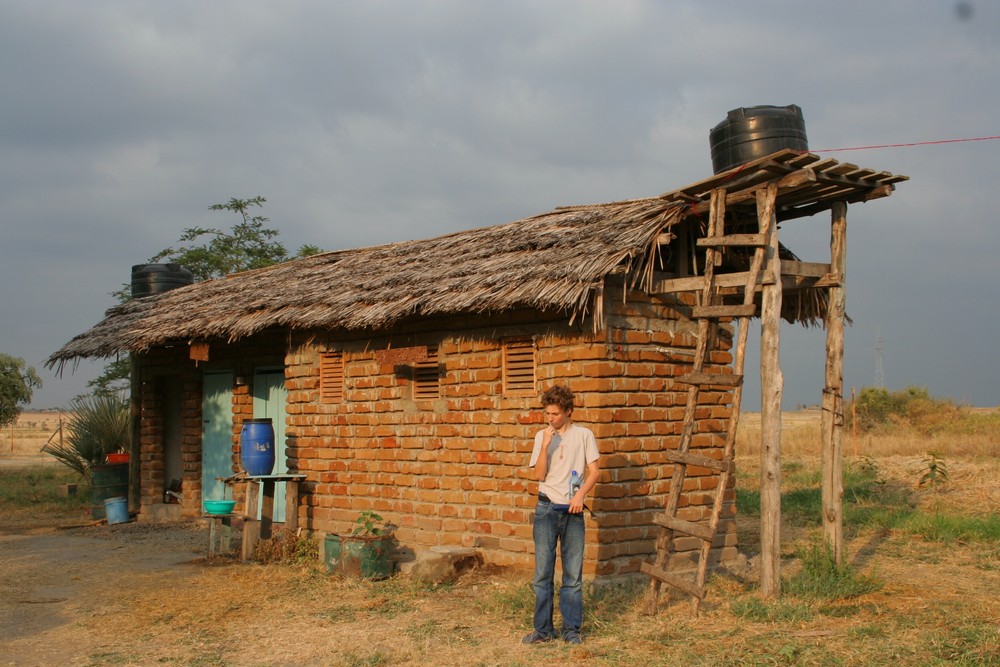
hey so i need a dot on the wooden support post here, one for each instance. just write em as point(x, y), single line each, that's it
point(292, 506)
point(135, 439)
point(833, 391)
point(267, 508)
point(771, 384)
point(251, 526)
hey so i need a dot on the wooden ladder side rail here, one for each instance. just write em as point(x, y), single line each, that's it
point(739, 357)
point(706, 329)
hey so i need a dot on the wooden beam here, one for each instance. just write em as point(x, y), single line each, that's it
point(771, 386)
point(859, 197)
point(664, 284)
point(732, 283)
point(809, 269)
point(711, 379)
point(692, 459)
point(674, 580)
point(724, 311)
point(700, 530)
point(832, 419)
point(746, 192)
point(732, 240)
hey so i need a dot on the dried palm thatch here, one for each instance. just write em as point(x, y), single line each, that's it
point(555, 261)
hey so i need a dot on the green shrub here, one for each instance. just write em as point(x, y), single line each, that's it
point(99, 425)
point(821, 578)
point(878, 409)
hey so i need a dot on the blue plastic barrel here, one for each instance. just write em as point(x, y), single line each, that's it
point(257, 446)
point(117, 510)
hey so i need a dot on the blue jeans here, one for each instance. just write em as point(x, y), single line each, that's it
point(551, 526)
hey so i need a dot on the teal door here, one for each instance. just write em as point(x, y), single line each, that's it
point(269, 402)
point(216, 433)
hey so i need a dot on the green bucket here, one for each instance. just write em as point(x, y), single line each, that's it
point(107, 481)
point(354, 556)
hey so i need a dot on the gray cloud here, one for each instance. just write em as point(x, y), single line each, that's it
point(365, 123)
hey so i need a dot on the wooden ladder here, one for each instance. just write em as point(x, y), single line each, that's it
point(708, 315)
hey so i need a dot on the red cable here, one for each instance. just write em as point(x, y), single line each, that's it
point(916, 143)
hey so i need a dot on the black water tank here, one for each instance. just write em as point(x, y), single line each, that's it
point(149, 279)
point(749, 133)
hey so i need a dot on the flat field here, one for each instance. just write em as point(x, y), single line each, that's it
point(920, 587)
point(25, 438)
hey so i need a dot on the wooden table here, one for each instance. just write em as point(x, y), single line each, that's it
point(254, 529)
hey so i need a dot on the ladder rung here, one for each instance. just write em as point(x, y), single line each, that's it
point(680, 583)
point(730, 380)
point(753, 240)
point(741, 310)
point(699, 530)
point(692, 459)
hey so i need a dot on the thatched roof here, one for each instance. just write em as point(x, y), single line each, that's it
point(554, 261)
point(557, 261)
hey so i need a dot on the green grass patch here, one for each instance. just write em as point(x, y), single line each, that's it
point(513, 602)
point(947, 528)
point(777, 611)
point(977, 644)
point(821, 578)
point(37, 487)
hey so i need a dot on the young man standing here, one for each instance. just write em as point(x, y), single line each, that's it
point(560, 450)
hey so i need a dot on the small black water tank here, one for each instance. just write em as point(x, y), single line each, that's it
point(749, 133)
point(149, 279)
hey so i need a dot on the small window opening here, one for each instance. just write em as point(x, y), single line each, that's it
point(519, 366)
point(331, 377)
point(427, 376)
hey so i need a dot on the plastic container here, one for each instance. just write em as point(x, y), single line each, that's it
point(151, 279)
point(218, 506)
point(117, 510)
point(117, 458)
point(357, 556)
point(107, 481)
point(257, 447)
point(574, 484)
point(749, 133)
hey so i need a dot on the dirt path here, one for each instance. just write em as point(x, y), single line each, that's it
point(57, 584)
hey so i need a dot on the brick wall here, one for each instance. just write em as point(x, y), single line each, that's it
point(453, 470)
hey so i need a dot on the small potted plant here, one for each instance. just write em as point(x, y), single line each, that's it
point(364, 552)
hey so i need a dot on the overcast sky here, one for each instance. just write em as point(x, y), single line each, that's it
point(372, 122)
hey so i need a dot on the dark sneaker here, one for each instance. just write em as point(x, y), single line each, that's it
point(536, 637)
point(572, 637)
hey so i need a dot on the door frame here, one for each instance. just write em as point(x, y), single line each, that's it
point(269, 400)
point(217, 437)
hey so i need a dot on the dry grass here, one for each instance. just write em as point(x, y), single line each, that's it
point(26, 436)
point(978, 437)
point(933, 601)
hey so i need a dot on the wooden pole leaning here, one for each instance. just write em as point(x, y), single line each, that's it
point(706, 331)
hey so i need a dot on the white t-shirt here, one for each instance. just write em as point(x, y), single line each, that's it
point(571, 451)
